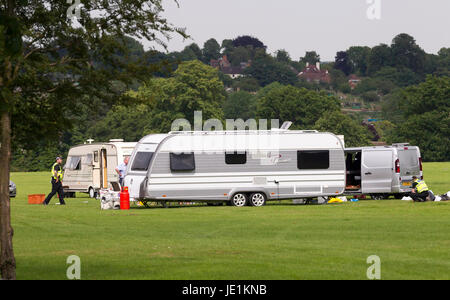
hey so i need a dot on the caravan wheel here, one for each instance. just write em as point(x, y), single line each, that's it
point(239, 200)
point(92, 193)
point(257, 199)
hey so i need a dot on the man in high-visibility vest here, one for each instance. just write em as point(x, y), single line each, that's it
point(57, 176)
point(420, 190)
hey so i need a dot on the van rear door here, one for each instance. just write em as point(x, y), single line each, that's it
point(376, 171)
point(409, 165)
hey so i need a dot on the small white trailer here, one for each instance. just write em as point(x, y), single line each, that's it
point(91, 167)
point(381, 171)
point(236, 167)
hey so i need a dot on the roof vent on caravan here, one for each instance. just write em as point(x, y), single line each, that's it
point(89, 141)
point(115, 140)
point(284, 126)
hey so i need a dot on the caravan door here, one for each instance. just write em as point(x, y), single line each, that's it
point(104, 169)
point(96, 170)
point(376, 171)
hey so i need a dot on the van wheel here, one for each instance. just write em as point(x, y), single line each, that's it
point(257, 199)
point(239, 200)
point(92, 193)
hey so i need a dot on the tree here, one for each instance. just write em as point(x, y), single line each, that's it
point(342, 62)
point(247, 84)
point(399, 76)
point(283, 56)
point(359, 58)
point(196, 50)
point(425, 118)
point(338, 79)
point(186, 55)
point(355, 135)
point(406, 53)
point(211, 50)
point(301, 106)
point(240, 105)
point(443, 68)
point(240, 54)
point(246, 40)
point(310, 57)
point(370, 96)
point(194, 86)
point(227, 47)
point(44, 58)
point(266, 70)
point(125, 122)
point(380, 56)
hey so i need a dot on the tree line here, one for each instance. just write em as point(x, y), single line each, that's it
point(175, 84)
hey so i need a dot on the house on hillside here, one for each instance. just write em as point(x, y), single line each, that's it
point(220, 63)
point(353, 81)
point(224, 65)
point(233, 72)
point(313, 73)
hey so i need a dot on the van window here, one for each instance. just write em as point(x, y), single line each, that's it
point(182, 162)
point(95, 156)
point(313, 159)
point(409, 162)
point(378, 159)
point(141, 161)
point(235, 158)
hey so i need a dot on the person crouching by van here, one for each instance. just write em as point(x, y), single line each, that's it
point(420, 190)
point(57, 176)
point(122, 170)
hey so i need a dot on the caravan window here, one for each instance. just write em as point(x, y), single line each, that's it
point(95, 156)
point(75, 163)
point(235, 158)
point(182, 162)
point(313, 159)
point(88, 159)
point(141, 161)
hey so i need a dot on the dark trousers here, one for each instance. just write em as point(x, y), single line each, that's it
point(419, 197)
point(56, 188)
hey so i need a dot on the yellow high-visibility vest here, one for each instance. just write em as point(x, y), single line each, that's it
point(59, 173)
point(421, 186)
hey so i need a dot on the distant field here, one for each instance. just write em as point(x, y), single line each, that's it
point(279, 241)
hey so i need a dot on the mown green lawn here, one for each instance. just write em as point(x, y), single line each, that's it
point(279, 241)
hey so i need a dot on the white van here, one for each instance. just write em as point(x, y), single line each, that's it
point(237, 167)
point(90, 167)
point(382, 171)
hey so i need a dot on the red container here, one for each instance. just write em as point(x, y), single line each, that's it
point(36, 198)
point(124, 198)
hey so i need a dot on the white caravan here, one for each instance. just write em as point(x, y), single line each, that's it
point(381, 171)
point(90, 167)
point(237, 167)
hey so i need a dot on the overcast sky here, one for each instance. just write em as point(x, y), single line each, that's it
point(326, 26)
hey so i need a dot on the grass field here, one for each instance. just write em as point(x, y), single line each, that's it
point(279, 241)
